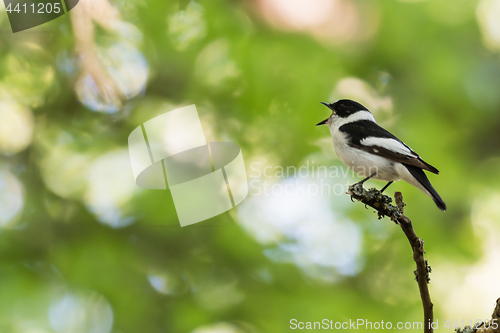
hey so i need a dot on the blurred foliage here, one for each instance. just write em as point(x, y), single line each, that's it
point(84, 250)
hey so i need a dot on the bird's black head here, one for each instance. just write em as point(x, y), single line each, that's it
point(345, 107)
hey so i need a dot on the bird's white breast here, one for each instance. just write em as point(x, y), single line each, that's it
point(363, 163)
point(359, 161)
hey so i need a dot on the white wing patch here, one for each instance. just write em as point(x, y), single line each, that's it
point(389, 144)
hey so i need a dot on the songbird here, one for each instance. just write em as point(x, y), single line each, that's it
point(372, 152)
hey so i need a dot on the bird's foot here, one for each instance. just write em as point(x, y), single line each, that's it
point(356, 189)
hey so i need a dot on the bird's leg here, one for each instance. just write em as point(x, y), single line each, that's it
point(364, 180)
point(386, 186)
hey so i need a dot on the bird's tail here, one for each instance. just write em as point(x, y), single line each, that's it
point(422, 179)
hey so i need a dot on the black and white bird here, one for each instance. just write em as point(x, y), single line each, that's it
point(372, 152)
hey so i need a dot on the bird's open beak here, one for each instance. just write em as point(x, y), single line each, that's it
point(322, 122)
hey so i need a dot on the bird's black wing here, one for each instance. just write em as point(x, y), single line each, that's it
point(366, 135)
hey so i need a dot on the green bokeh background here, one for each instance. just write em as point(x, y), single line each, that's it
point(426, 69)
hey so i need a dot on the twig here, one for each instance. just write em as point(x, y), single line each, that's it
point(382, 204)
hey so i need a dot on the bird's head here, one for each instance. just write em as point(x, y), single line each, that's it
point(342, 108)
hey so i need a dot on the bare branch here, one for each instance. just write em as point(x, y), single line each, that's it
point(382, 204)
